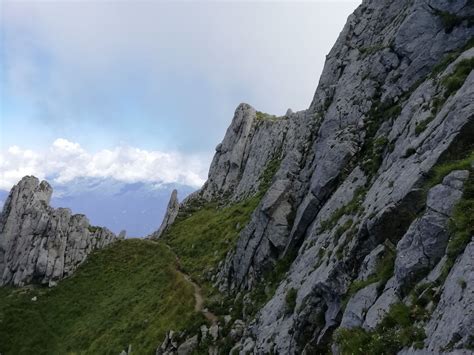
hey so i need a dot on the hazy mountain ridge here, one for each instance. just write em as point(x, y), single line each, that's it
point(137, 208)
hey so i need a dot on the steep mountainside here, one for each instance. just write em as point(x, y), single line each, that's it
point(346, 228)
point(361, 205)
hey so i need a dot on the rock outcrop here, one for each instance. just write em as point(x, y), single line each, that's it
point(344, 183)
point(40, 244)
point(171, 213)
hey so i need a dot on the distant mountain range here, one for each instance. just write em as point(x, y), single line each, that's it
point(136, 207)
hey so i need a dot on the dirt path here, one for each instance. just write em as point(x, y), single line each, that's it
point(198, 306)
point(199, 299)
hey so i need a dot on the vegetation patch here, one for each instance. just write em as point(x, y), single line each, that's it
point(450, 20)
point(437, 174)
point(396, 331)
point(352, 207)
point(462, 220)
point(262, 116)
point(127, 293)
point(421, 126)
point(456, 79)
point(340, 230)
point(94, 229)
point(264, 291)
point(271, 168)
point(449, 58)
point(383, 272)
point(373, 148)
point(461, 224)
point(203, 238)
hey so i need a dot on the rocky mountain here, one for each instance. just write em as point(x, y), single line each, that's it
point(362, 192)
point(346, 228)
point(40, 244)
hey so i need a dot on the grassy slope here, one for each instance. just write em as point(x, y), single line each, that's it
point(129, 293)
point(203, 238)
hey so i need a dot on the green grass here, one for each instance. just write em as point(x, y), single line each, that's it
point(94, 229)
point(372, 151)
point(421, 126)
point(264, 291)
point(352, 207)
point(456, 79)
point(269, 172)
point(439, 171)
point(383, 273)
point(396, 331)
point(449, 58)
point(462, 220)
point(203, 238)
point(262, 116)
point(128, 293)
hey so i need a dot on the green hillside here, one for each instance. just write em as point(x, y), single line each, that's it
point(129, 293)
point(132, 292)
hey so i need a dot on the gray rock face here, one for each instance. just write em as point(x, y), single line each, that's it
point(188, 346)
point(347, 177)
point(42, 244)
point(452, 323)
point(377, 312)
point(351, 173)
point(171, 213)
point(424, 244)
point(358, 305)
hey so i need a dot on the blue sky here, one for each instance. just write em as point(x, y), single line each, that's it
point(88, 88)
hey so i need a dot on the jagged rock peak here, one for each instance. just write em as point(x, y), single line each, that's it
point(39, 243)
point(170, 215)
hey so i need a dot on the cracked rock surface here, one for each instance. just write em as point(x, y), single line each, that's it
point(39, 243)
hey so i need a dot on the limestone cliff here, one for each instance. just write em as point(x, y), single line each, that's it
point(352, 188)
point(40, 244)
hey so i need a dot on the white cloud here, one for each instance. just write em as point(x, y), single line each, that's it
point(65, 161)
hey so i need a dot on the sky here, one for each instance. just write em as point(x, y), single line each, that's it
point(143, 91)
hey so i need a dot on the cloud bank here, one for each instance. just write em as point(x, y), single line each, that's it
point(156, 72)
point(65, 161)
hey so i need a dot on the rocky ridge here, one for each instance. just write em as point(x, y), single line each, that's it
point(351, 190)
point(362, 240)
point(40, 244)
